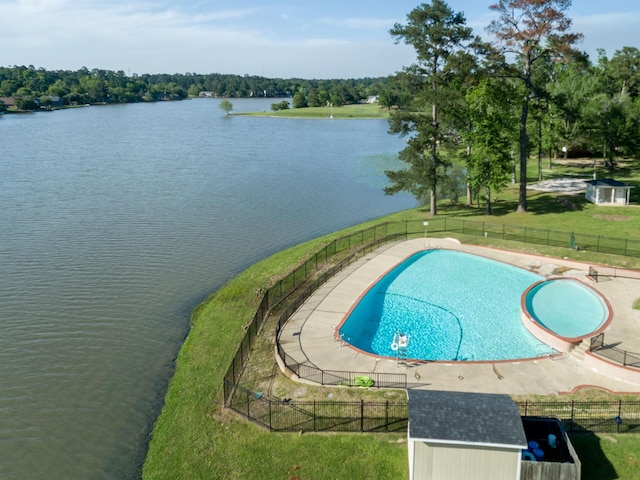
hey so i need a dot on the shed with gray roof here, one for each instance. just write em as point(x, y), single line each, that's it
point(455, 435)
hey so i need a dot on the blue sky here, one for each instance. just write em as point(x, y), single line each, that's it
point(271, 38)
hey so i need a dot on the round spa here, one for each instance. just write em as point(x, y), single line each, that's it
point(562, 312)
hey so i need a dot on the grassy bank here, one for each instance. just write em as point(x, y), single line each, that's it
point(363, 111)
point(195, 438)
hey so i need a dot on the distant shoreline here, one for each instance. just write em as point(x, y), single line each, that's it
point(348, 112)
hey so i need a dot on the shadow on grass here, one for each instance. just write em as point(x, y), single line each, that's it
point(595, 465)
point(543, 203)
point(624, 169)
point(634, 195)
point(538, 203)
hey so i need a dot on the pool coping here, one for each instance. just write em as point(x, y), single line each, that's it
point(309, 335)
point(557, 341)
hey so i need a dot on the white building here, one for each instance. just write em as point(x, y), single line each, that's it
point(607, 192)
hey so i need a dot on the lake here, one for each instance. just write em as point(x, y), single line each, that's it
point(115, 222)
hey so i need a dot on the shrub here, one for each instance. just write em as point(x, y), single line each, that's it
point(363, 381)
point(283, 105)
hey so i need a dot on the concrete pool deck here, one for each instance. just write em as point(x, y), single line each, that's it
point(308, 337)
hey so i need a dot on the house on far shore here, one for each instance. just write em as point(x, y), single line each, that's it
point(607, 191)
point(48, 102)
point(8, 101)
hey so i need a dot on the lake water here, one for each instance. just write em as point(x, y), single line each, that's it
point(115, 222)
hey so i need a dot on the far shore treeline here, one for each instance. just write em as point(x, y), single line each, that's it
point(39, 88)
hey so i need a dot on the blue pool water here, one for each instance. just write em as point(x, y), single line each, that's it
point(548, 303)
point(453, 305)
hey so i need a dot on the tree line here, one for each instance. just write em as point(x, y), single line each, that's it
point(474, 112)
point(107, 86)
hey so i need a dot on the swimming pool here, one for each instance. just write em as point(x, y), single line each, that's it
point(453, 306)
point(566, 307)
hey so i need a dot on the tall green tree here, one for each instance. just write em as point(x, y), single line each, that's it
point(531, 31)
point(613, 126)
point(299, 100)
point(396, 93)
point(94, 88)
point(438, 35)
point(490, 136)
point(571, 87)
point(611, 114)
point(226, 106)
point(25, 104)
point(624, 70)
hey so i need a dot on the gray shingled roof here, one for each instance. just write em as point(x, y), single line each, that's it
point(465, 418)
point(607, 182)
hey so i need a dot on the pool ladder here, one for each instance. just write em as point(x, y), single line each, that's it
point(401, 342)
point(402, 356)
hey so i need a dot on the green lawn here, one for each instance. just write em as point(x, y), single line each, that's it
point(195, 438)
point(608, 457)
point(364, 111)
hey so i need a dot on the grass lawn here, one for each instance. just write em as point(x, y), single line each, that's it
point(608, 457)
point(195, 438)
point(364, 110)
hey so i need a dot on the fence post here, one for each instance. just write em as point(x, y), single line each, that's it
point(619, 422)
point(572, 413)
point(361, 415)
point(233, 369)
point(386, 415)
point(314, 415)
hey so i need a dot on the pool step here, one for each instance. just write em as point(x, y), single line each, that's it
point(579, 351)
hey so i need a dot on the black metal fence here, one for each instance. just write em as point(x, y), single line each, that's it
point(285, 415)
point(298, 285)
point(581, 417)
point(340, 378)
point(538, 236)
point(605, 273)
point(613, 353)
